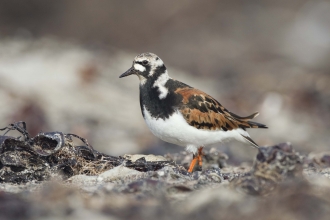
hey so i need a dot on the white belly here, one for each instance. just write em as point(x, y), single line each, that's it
point(177, 131)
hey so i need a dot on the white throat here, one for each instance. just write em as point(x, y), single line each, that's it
point(142, 79)
point(160, 84)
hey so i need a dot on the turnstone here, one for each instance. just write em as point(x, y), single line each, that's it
point(180, 114)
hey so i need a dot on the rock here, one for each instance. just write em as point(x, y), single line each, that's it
point(272, 165)
point(149, 158)
point(117, 173)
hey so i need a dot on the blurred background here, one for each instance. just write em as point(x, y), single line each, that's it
point(60, 62)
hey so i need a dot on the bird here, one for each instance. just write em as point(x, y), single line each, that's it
point(183, 115)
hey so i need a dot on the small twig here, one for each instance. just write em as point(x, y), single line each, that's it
point(69, 136)
point(19, 126)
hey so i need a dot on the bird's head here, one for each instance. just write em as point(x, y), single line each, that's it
point(146, 66)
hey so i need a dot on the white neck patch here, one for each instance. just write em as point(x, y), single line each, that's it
point(139, 67)
point(160, 83)
point(154, 65)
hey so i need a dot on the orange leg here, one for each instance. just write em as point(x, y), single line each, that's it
point(196, 158)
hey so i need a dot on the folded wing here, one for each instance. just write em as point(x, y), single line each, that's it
point(204, 112)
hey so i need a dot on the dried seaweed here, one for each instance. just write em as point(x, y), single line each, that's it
point(24, 158)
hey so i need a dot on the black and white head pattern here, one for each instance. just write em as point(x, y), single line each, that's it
point(149, 67)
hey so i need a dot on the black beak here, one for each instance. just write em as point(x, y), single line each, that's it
point(130, 71)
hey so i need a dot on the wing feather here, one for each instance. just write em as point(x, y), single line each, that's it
point(204, 112)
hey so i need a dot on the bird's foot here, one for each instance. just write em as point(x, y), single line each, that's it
point(196, 158)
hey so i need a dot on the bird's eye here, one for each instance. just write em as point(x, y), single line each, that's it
point(144, 62)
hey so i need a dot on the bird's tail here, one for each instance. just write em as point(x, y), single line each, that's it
point(246, 123)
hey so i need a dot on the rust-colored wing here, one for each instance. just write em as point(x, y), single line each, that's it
point(204, 112)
